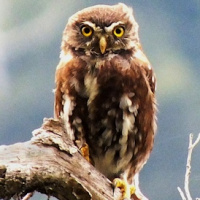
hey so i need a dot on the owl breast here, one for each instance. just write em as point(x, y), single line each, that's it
point(110, 105)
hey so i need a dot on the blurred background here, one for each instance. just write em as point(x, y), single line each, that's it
point(30, 37)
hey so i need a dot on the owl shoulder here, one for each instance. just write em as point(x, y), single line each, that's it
point(140, 60)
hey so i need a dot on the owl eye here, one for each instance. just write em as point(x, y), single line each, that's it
point(118, 31)
point(86, 31)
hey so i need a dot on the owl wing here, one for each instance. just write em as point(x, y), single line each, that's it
point(142, 61)
point(69, 79)
point(59, 90)
point(58, 106)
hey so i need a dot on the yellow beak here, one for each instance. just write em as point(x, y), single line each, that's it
point(102, 44)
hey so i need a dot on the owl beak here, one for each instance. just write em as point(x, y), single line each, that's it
point(102, 44)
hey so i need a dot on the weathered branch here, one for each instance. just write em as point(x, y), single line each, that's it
point(187, 195)
point(50, 164)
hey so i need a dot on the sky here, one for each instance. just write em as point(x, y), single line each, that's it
point(30, 37)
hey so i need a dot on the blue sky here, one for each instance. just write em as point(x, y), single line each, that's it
point(30, 36)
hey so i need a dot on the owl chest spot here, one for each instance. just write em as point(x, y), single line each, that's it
point(114, 138)
point(91, 87)
point(121, 140)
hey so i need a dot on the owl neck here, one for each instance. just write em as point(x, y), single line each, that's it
point(86, 54)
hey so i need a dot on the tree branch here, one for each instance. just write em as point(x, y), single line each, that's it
point(187, 195)
point(50, 164)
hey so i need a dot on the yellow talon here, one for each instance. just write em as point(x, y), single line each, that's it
point(126, 189)
point(132, 189)
point(85, 152)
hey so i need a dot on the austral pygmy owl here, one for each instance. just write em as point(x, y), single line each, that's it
point(105, 91)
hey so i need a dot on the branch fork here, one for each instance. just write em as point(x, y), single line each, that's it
point(185, 195)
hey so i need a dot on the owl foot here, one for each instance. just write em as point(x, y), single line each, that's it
point(85, 152)
point(126, 189)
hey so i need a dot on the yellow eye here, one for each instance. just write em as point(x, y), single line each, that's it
point(86, 31)
point(118, 31)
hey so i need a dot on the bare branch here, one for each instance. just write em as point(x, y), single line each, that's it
point(188, 168)
point(181, 193)
point(28, 196)
point(187, 195)
point(50, 163)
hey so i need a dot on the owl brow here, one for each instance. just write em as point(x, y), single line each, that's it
point(113, 25)
point(88, 23)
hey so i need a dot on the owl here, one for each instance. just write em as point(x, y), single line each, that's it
point(105, 92)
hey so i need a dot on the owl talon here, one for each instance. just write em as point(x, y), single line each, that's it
point(85, 152)
point(126, 189)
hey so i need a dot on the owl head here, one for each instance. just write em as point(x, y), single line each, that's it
point(100, 30)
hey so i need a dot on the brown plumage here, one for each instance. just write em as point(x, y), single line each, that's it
point(105, 89)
